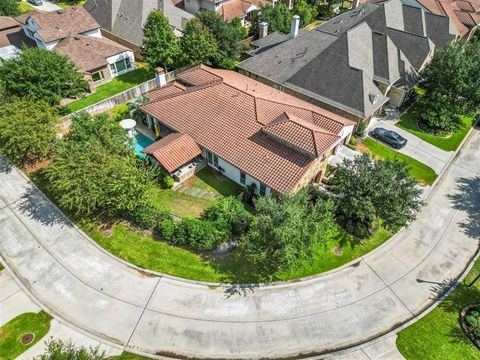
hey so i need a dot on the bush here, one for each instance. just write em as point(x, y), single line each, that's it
point(361, 128)
point(198, 234)
point(232, 212)
point(148, 216)
point(249, 193)
point(471, 320)
point(166, 229)
point(167, 182)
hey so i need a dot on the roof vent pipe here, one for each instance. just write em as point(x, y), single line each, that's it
point(295, 26)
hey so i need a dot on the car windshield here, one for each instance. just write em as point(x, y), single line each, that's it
point(394, 135)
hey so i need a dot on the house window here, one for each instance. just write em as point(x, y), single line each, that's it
point(31, 33)
point(263, 189)
point(97, 76)
point(121, 66)
point(212, 159)
point(242, 178)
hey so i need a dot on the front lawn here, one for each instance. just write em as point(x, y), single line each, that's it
point(116, 86)
point(439, 335)
point(422, 173)
point(409, 121)
point(179, 204)
point(11, 333)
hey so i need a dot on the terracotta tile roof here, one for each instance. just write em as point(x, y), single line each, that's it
point(301, 135)
point(87, 52)
point(169, 89)
point(8, 23)
point(237, 8)
point(56, 25)
point(227, 117)
point(197, 76)
point(174, 151)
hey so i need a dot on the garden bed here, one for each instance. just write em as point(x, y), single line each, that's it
point(474, 311)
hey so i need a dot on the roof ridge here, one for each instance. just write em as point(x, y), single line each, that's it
point(186, 91)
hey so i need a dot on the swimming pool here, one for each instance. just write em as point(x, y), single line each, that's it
point(140, 142)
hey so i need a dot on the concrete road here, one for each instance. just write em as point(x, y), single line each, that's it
point(47, 6)
point(416, 148)
point(81, 284)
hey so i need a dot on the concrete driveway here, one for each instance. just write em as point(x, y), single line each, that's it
point(416, 148)
point(78, 282)
point(47, 6)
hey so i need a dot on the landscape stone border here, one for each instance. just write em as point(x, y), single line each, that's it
point(465, 327)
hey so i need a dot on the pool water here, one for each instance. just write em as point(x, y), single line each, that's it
point(140, 142)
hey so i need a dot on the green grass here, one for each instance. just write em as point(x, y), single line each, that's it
point(409, 120)
point(179, 204)
point(117, 85)
point(12, 332)
point(24, 7)
point(422, 173)
point(213, 181)
point(439, 335)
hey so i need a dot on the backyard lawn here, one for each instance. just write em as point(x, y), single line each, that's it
point(211, 180)
point(117, 85)
point(439, 335)
point(409, 120)
point(422, 173)
point(11, 333)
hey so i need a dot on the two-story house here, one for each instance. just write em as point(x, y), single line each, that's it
point(75, 33)
point(227, 9)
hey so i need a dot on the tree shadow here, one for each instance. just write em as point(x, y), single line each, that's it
point(468, 200)
point(240, 290)
point(5, 166)
point(39, 208)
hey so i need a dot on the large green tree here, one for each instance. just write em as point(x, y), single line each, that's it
point(198, 44)
point(27, 130)
point(160, 46)
point(278, 17)
point(306, 12)
point(284, 230)
point(452, 84)
point(95, 172)
point(374, 190)
point(60, 350)
point(9, 8)
point(41, 74)
point(228, 36)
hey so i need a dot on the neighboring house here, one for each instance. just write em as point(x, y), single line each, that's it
point(227, 9)
point(74, 33)
point(356, 62)
point(123, 20)
point(12, 38)
point(464, 14)
point(246, 130)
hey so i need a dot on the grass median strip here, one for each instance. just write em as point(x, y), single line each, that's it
point(409, 122)
point(12, 332)
point(422, 173)
point(439, 335)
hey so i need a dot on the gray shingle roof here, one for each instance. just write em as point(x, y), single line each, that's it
point(337, 62)
point(125, 18)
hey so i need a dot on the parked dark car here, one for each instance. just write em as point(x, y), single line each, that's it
point(390, 137)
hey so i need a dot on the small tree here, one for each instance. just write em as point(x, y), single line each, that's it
point(284, 230)
point(452, 84)
point(9, 8)
point(230, 210)
point(27, 130)
point(198, 45)
point(160, 46)
point(306, 12)
point(42, 74)
point(374, 190)
point(60, 350)
point(278, 17)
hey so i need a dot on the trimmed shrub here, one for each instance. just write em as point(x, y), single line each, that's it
point(231, 211)
point(166, 229)
point(167, 182)
point(198, 234)
point(148, 216)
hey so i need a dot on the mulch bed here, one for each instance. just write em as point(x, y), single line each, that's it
point(465, 326)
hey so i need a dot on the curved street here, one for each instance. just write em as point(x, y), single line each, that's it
point(78, 282)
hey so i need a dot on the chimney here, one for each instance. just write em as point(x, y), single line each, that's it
point(355, 4)
point(160, 77)
point(295, 26)
point(262, 29)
